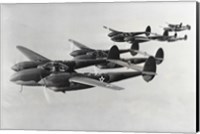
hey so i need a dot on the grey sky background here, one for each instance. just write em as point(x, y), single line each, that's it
point(165, 104)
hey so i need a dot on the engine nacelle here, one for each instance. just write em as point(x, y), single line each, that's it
point(77, 53)
point(25, 65)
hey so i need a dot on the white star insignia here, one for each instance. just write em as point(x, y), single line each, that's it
point(101, 79)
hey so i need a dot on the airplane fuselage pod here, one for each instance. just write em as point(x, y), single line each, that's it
point(29, 77)
point(92, 55)
point(78, 52)
point(177, 29)
point(111, 34)
point(61, 81)
point(118, 38)
point(25, 65)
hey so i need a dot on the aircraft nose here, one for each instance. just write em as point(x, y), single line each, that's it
point(14, 77)
point(74, 53)
point(15, 68)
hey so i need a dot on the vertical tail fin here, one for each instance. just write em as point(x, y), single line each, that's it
point(175, 35)
point(159, 56)
point(149, 70)
point(166, 33)
point(134, 46)
point(185, 37)
point(180, 25)
point(114, 53)
point(188, 27)
point(148, 31)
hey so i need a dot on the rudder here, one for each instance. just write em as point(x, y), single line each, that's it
point(134, 46)
point(149, 70)
point(166, 33)
point(114, 53)
point(148, 30)
point(159, 56)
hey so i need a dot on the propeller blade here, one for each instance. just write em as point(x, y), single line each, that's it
point(46, 95)
point(21, 89)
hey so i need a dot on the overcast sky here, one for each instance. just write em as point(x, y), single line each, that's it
point(165, 104)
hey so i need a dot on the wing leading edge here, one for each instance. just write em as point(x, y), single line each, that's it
point(94, 82)
point(33, 56)
point(79, 45)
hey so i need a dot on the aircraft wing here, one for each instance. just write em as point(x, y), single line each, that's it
point(79, 45)
point(110, 29)
point(80, 63)
point(94, 82)
point(33, 56)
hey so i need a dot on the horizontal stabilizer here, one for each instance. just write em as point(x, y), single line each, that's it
point(126, 64)
point(141, 52)
point(148, 71)
point(159, 56)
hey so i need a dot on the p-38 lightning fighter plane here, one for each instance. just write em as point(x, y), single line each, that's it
point(37, 59)
point(59, 76)
point(167, 37)
point(50, 76)
point(164, 37)
point(86, 53)
point(119, 36)
point(177, 27)
point(173, 39)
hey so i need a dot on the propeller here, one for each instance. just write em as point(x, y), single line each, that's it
point(16, 65)
point(21, 89)
point(46, 95)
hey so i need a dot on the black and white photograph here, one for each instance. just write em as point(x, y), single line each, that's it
point(111, 67)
